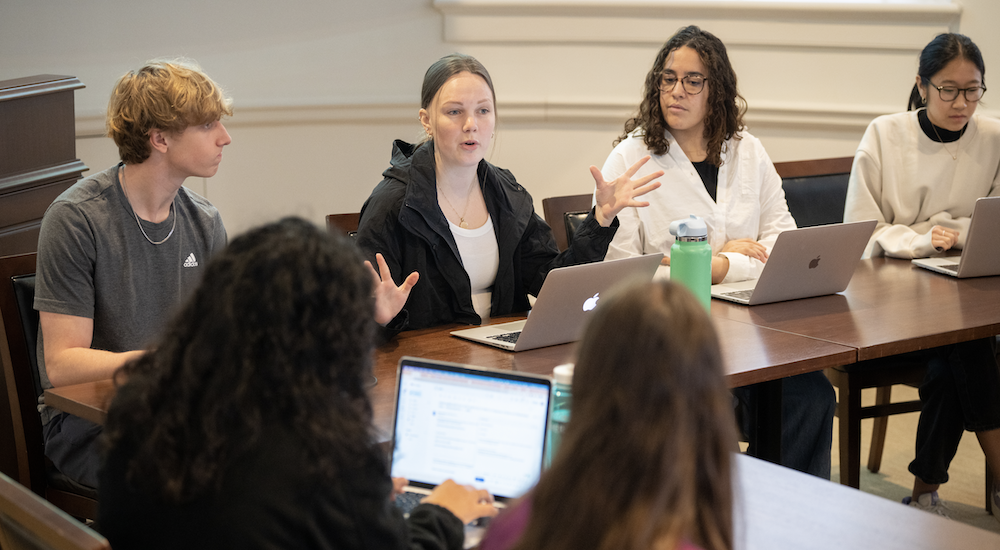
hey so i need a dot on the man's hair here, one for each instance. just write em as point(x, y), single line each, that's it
point(166, 95)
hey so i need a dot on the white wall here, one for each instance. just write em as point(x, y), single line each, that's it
point(321, 88)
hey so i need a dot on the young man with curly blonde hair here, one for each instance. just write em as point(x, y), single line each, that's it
point(120, 250)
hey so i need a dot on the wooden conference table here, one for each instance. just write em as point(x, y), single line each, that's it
point(890, 307)
point(751, 353)
point(776, 507)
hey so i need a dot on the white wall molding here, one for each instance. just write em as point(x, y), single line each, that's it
point(803, 116)
point(895, 26)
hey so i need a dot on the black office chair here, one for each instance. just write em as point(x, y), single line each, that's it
point(346, 224)
point(20, 365)
point(28, 522)
point(564, 215)
point(573, 221)
point(815, 190)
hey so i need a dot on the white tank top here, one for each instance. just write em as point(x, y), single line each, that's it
point(480, 255)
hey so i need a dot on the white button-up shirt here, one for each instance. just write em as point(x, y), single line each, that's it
point(750, 203)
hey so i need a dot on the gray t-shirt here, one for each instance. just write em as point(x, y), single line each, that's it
point(94, 262)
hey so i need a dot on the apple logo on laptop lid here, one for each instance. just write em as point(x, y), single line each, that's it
point(591, 303)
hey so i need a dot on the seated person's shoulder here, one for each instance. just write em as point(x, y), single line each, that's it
point(989, 126)
point(506, 178)
point(198, 203)
point(85, 192)
point(389, 193)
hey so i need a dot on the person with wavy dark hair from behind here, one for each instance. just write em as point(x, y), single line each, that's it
point(248, 425)
point(919, 174)
point(691, 122)
point(645, 462)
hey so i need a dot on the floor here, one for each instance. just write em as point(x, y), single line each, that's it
point(965, 491)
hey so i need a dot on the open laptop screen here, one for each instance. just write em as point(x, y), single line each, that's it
point(479, 427)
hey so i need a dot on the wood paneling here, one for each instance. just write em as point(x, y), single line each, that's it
point(37, 154)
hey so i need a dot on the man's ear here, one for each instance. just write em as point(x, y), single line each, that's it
point(158, 140)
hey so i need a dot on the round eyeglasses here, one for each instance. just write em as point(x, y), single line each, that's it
point(950, 93)
point(693, 84)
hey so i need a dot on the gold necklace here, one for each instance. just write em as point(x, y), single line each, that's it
point(151, 241)
point(468, 197)
point(958, 142)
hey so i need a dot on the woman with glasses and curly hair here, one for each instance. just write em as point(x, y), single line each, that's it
point(690, 122)
point(919, 173)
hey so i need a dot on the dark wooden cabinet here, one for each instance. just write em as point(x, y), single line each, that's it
point(37, 163)
point(37, 154)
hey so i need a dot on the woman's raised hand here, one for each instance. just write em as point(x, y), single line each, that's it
point(613, 196)
point(389, 298)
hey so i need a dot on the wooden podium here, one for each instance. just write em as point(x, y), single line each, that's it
point(37, 154)
point(37, 163)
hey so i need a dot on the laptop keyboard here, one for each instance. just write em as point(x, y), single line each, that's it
point(950, 267)
point(408, 501)
point(509, 337)
point(741, 294)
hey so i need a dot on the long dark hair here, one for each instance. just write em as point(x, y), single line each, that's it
point(726, 106)
point(645, 458)
point(937, 54)
point(279, 331)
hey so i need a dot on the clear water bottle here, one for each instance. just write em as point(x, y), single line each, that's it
point(691, 258)
point(562, 399)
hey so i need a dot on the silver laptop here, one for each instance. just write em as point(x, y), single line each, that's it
point(806, 262)
point(980, 257)
point(480, 427)
point(567, 297)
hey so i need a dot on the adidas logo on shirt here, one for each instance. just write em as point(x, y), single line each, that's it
point(191, 261)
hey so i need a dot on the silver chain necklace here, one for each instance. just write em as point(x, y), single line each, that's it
point(137, 222)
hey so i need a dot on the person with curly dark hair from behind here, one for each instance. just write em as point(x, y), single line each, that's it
point(690, 122)
point(248, 425)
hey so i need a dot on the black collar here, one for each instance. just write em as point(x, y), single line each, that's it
point(932, 131)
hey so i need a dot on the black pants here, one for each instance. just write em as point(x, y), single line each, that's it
point(71, 445)
point(960, 392)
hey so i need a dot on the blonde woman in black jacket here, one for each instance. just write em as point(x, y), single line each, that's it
point(465, 226)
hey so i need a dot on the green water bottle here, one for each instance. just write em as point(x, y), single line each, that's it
point(562, 399)
point(691, 258)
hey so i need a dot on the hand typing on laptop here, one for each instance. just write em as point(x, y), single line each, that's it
point(465, 501)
